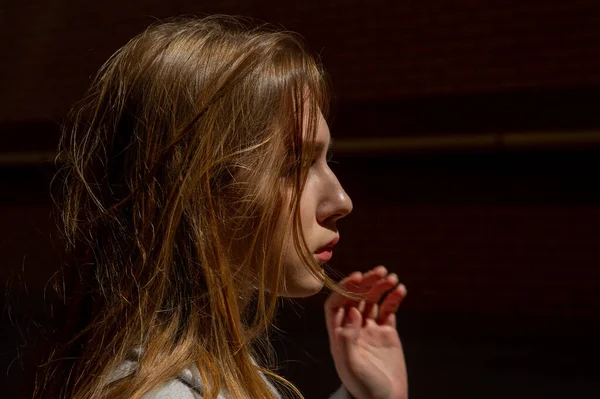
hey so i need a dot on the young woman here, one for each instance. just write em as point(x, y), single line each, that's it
point(196, 191)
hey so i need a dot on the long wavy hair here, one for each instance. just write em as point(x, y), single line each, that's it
point(180, 169)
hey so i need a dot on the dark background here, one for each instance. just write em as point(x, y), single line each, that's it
point(466, 133)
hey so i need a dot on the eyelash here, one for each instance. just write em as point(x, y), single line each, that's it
point(328, 158)
point(291, 167)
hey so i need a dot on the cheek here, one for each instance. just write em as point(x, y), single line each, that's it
point(308, 208)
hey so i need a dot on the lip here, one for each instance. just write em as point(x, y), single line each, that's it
point(324, 253)
point(324, 256)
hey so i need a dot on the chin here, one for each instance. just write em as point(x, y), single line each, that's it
point(301, 289)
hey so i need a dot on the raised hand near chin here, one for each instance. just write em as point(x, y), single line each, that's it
point(363, 338)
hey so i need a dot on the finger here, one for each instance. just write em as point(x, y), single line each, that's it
point(391, 303)
point(378, 270)
point(371, 312)
point(361, 306)
point(370, 278)
point(390, 320)
point(339, 316)
point(381, 287)
point(377, 292)
point(356, 283)
point(336, 301)
point(353, 279)
point(337, 321)
point(353, 319)
point(348, 333)
point(350, 283)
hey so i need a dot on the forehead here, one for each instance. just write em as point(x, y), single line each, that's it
point(323, 139)
point(323, 134)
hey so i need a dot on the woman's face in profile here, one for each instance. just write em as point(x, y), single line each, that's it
point(322, 204)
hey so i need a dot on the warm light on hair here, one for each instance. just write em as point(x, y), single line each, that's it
point(181, 165)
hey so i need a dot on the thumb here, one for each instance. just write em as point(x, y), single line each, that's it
point(353, 319)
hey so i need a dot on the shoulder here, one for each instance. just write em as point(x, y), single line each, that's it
point(186, 385)
point(174, 389)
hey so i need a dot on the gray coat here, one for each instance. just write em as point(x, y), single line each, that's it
point(188, 385)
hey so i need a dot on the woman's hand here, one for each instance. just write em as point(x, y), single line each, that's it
point(363, 338)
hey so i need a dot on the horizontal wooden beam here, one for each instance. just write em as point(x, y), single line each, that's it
point(27, 158)
point(462, 142)
point(373, 146)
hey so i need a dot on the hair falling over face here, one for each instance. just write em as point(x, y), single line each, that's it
point(178, 170)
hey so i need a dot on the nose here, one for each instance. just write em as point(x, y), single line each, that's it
point(335, 204)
